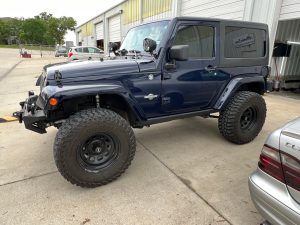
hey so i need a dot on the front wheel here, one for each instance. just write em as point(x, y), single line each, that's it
point(94, 147)
point(243, 117)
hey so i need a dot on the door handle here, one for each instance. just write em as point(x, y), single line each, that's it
point(150, 96)
point(210, 68)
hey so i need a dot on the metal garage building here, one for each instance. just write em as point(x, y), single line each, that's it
point(282, 16)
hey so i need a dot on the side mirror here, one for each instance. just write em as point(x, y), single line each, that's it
point(149, 45)
point(113, 47)
point(179, 52)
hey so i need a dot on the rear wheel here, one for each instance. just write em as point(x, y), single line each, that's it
point(94, 147)
point(243, 118)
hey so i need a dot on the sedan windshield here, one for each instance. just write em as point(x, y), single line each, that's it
point(135, 37)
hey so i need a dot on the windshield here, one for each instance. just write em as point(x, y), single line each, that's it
point(135, 37)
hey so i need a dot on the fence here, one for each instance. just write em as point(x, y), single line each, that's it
point(37, 50)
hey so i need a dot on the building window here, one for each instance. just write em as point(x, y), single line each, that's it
point(199, 38)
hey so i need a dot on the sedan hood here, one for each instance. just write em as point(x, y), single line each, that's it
point(91, 68)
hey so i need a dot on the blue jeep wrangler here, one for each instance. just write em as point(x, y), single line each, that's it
point(164, 70)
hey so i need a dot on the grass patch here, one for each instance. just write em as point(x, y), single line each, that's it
point(30, 47)
point(9, 46)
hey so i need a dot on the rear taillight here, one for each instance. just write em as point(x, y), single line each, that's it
point(70, 54)
point(269, 162)
point(281, 166)
point(291, 170)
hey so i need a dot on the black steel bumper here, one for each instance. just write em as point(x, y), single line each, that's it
point(32, 116)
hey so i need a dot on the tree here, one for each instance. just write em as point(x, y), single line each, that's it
point(66, 23)
point(4, 32)
point(42, 29)
point(33, 30)
point(15, 27)
point(56, 27)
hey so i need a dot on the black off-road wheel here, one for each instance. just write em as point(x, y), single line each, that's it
point(243, 117)
point(94, 147)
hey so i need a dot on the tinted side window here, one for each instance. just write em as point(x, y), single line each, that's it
point(92, 50)
point(241, 42)
point(78, 49)
point(85, 50)
point(199, 38)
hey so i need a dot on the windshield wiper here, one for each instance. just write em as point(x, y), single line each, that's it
point(131, 52)
point(135, 52)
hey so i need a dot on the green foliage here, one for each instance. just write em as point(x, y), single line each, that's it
point(4, 29)
point(42, 29)
point(33, 30)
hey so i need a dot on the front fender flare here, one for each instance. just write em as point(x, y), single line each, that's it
point(74, 91)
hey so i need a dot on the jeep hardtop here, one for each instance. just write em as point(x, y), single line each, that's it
point(164, 70)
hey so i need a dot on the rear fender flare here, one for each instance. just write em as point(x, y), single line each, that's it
point(233, 86)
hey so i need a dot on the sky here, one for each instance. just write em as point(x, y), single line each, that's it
point(80, 10)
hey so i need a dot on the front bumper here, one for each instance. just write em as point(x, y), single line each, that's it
point(272, 199)
point(33, 117)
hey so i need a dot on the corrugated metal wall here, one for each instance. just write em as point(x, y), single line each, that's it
point(79, 36)
point(145, 10)
point(290, 9)
point(227, 9)
point(289, 31)
point(153, 8)
point(132, 11)
point(87, 29)
point(139, 11)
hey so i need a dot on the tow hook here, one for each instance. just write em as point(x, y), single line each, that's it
point(18, 115)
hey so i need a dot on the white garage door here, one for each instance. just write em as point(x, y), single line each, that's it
point(114, 28)
point(99, 31)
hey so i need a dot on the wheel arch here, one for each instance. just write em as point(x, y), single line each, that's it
point(113, 101)
point(253, 84)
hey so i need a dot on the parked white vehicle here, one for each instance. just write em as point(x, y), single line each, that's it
point(85, 53)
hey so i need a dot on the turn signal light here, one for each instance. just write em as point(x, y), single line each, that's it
point(53, 101)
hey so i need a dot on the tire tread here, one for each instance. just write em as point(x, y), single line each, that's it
point(227, 120)
point(63, 139)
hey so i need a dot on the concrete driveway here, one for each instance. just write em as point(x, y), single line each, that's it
point(184, 172)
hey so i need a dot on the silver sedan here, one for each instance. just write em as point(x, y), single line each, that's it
point(275, 185)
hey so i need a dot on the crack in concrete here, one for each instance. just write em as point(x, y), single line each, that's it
point(10, 70)
point(184, 181)
point(28, 178)
point(187, 183)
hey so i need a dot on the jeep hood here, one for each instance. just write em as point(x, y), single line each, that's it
point(91, 68)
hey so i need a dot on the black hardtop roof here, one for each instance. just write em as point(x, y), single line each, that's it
point(208, 19)
point(227, 21)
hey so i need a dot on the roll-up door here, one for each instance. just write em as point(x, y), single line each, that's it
point(114, 29)
point(99, 31)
